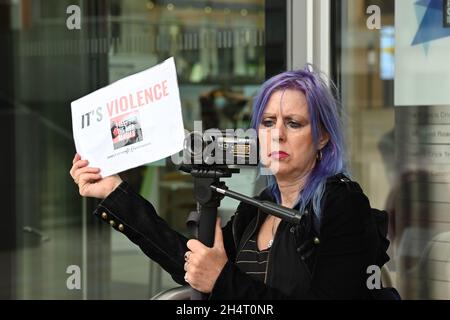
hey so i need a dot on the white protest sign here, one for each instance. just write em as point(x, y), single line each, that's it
point(134, 121)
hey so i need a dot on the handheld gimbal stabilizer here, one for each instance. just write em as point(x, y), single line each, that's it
point(209, 191)
point(205, 155)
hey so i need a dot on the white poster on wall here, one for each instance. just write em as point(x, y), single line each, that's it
point(134, 121)
point(422, 52)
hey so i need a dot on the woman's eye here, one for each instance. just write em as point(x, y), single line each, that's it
point(293, 124)
point(267, 123)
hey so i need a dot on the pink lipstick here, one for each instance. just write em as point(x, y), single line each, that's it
point(279, 155)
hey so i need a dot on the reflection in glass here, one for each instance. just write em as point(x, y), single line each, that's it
point(219, 50)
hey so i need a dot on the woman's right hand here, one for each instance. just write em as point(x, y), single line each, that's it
point(90, 182)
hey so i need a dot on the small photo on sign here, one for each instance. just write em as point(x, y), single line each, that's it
point(126, 130)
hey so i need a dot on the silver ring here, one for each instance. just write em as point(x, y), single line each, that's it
point(186, 255)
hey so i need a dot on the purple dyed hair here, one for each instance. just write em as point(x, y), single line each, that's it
point(324, 115)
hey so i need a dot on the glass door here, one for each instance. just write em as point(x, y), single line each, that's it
point(53, 52)
point(389, 59)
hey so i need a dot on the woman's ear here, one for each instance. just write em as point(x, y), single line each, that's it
point(324, 138)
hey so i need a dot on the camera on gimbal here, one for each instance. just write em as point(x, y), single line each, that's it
point(210, 156)
point(221, 148)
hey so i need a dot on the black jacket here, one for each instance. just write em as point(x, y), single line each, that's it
point(304, 263)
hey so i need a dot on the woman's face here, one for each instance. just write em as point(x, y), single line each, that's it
point(286, 142)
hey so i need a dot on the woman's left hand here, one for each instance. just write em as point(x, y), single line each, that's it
point(203, 264)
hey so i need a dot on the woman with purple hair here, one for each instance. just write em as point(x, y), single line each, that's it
point(256, 255)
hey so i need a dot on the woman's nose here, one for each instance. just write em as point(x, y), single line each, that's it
point(279, 132)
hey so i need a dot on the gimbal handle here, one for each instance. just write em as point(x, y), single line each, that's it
point(209, 191)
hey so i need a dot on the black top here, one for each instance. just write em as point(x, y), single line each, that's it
point(252, 261)
point(303, 264)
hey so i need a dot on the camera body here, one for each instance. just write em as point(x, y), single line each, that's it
point(219, 148)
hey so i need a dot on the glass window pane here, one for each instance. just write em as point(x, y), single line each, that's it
point(54, 52)
point(397, 129)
